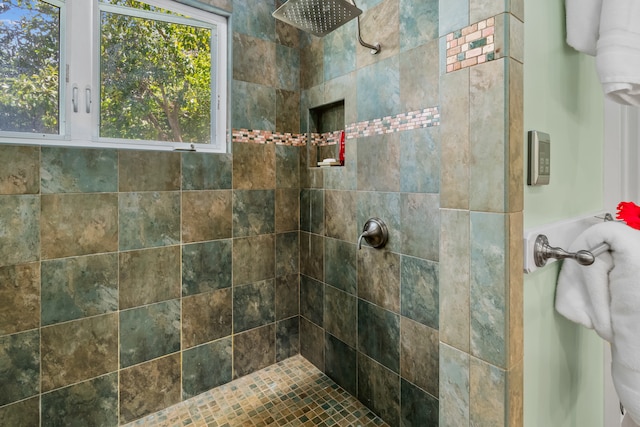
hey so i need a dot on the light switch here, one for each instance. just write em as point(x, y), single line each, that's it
point(539, 158)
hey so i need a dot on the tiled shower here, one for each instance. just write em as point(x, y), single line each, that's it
point(130, 281)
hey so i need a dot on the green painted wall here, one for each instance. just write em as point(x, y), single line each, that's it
point(563, 384)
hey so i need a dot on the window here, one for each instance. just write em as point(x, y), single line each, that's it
point(148, 74)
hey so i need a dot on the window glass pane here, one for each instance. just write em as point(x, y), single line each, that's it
point(29, 66)
point(155, 79)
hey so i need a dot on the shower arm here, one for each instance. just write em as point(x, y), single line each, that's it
point(375, 48)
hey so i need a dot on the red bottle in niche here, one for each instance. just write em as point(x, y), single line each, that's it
point(341, 152)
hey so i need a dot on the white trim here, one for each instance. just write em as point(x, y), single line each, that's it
point(621, 154)
point(82, 130)
point(621, 183)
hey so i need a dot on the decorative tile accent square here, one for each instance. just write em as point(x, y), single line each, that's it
point(290, 393)
point(471, 45)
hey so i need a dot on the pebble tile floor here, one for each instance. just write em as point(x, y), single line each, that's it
point(290, 393)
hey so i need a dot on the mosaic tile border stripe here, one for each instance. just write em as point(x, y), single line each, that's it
point(426, 117)
point(471, 45)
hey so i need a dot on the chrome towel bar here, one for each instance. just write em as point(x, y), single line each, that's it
point(542, 251)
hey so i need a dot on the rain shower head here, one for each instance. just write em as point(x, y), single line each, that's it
point(318, 17)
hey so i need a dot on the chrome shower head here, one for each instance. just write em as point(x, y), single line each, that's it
point(318, 17)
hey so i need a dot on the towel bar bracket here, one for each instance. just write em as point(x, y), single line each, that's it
point(542, 251)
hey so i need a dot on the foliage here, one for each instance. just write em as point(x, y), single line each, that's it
point(155, 77)
point(29, 68)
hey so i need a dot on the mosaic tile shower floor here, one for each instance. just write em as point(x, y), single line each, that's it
point(290, 393)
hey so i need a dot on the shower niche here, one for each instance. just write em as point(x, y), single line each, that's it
point(326, 135)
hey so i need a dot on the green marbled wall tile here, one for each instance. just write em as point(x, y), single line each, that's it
point(454, 325)
point(340, 265)
point(287, 296)
point(340, 51)
point(379, 334)
point(78, 170)
point(312, 210)
point(149, 275)
point(385, 100)
point(206, 171)
point(288, 69)
point(379, 278)
point(483, 9)
point(489, 287)
point(149, 171)
point(206, 215)
point(20, 222)
point(420, 211)
point(420, 160)
point(340, 361)
point(148, 219)
point(288, 165)
point(419, 290)
point(20, 168)
point(249, 51)
point(149, 332)
point(312, 255)
point(206, 266)
point(253, 350)
point(73, 288)
point(488, 185)
point(205, 367)
point(454, 387)
point(419, 355)
point(93, 402)
point(454, 140)
point(418, 23)
point(340, 215)
point(261, 251)
point(19, 298)
point(454, 15)
point(312, 299)
point(487, 391)
point(379, 24)
point(286, 35)
point(149, 387)
point(287, 215)
point(420, 90)
point(287, 253)
point(21, 414)
point(340, 311)
point(379, 389)
point(254, 165)
point(79, 350)
point(206, 317)
point(253, 17)
point(417, 408)
point(79, 224)
point(226, 5)
point(379, 163)
point(254, 107)
point(287, 113)
point(253, 305)
point(312, 343)
point(287, 338)
point(311, 61)
point(20, 361)
point(253, 212)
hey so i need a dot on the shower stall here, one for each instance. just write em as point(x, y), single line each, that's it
point(167, 274)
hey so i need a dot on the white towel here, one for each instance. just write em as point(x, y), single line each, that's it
point(583, 24)
point(605, 296)
point(618, 51)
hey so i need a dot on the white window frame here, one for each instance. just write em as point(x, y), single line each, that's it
point(81, 129)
